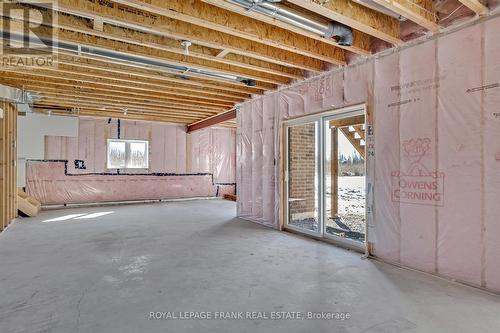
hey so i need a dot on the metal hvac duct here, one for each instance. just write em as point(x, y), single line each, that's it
point(17, 96)
point(116, 55)
point(288, 15)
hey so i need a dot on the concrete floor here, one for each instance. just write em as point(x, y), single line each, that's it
point(107, 273)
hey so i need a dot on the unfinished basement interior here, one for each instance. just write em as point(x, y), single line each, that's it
point(250, 166)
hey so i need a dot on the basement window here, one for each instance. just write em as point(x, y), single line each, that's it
point(127, 154)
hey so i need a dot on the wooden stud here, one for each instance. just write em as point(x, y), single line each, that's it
point(355, 16)
point(8, 161)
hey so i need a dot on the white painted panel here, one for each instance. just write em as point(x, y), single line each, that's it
point(31, 131)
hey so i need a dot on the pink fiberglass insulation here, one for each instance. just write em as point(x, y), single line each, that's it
point(491, 156)
point(48, 182)
point(171, 150)
point(433, 108)
point(213, 150)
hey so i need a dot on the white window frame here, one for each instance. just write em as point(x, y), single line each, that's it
point(127, 153)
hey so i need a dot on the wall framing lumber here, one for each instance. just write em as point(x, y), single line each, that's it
point(8, 164)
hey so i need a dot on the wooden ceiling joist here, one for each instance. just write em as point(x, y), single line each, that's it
point(268, 81)
point(35, 83)
point(476, 6)
point(361, 43)
point(124, 108)
point(192, 61)
point(180, 30)
point(419, 11)
point(356, 16)
point(92, 112)
point(118, 82)
point(46, 96)
point(142, 75)
point(190, 78)
point(204, 15)
point(75, 79)
point(120, 97)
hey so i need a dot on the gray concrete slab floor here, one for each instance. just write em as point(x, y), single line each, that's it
point(105, 269)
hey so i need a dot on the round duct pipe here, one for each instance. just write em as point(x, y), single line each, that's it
point(288, 15)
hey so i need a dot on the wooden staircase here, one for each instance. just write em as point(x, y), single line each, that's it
point(354, 130)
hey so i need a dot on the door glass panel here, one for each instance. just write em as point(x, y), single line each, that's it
point(303, 177)
point(344, 182)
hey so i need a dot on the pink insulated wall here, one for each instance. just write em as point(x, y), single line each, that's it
point(169, 174)
point(433, 109)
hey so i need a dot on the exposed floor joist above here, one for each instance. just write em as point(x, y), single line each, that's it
point(186, 61)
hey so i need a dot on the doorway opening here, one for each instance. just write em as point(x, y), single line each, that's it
point(325, 176)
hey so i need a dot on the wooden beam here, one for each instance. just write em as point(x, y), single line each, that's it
point(476, 6)
point(211, 17)
point(352, 121)
point(361, 43)
point(152, 23)
point(415, 11)
point(355, 16)
point(208, 122)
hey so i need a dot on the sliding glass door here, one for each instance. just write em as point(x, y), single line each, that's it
point(325, 176)
point(303, 175)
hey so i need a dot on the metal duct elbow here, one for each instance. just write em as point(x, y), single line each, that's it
point(342, 32)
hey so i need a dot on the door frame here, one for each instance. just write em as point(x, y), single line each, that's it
point(320, 117)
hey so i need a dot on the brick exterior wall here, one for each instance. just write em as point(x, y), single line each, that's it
point(302, 169)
